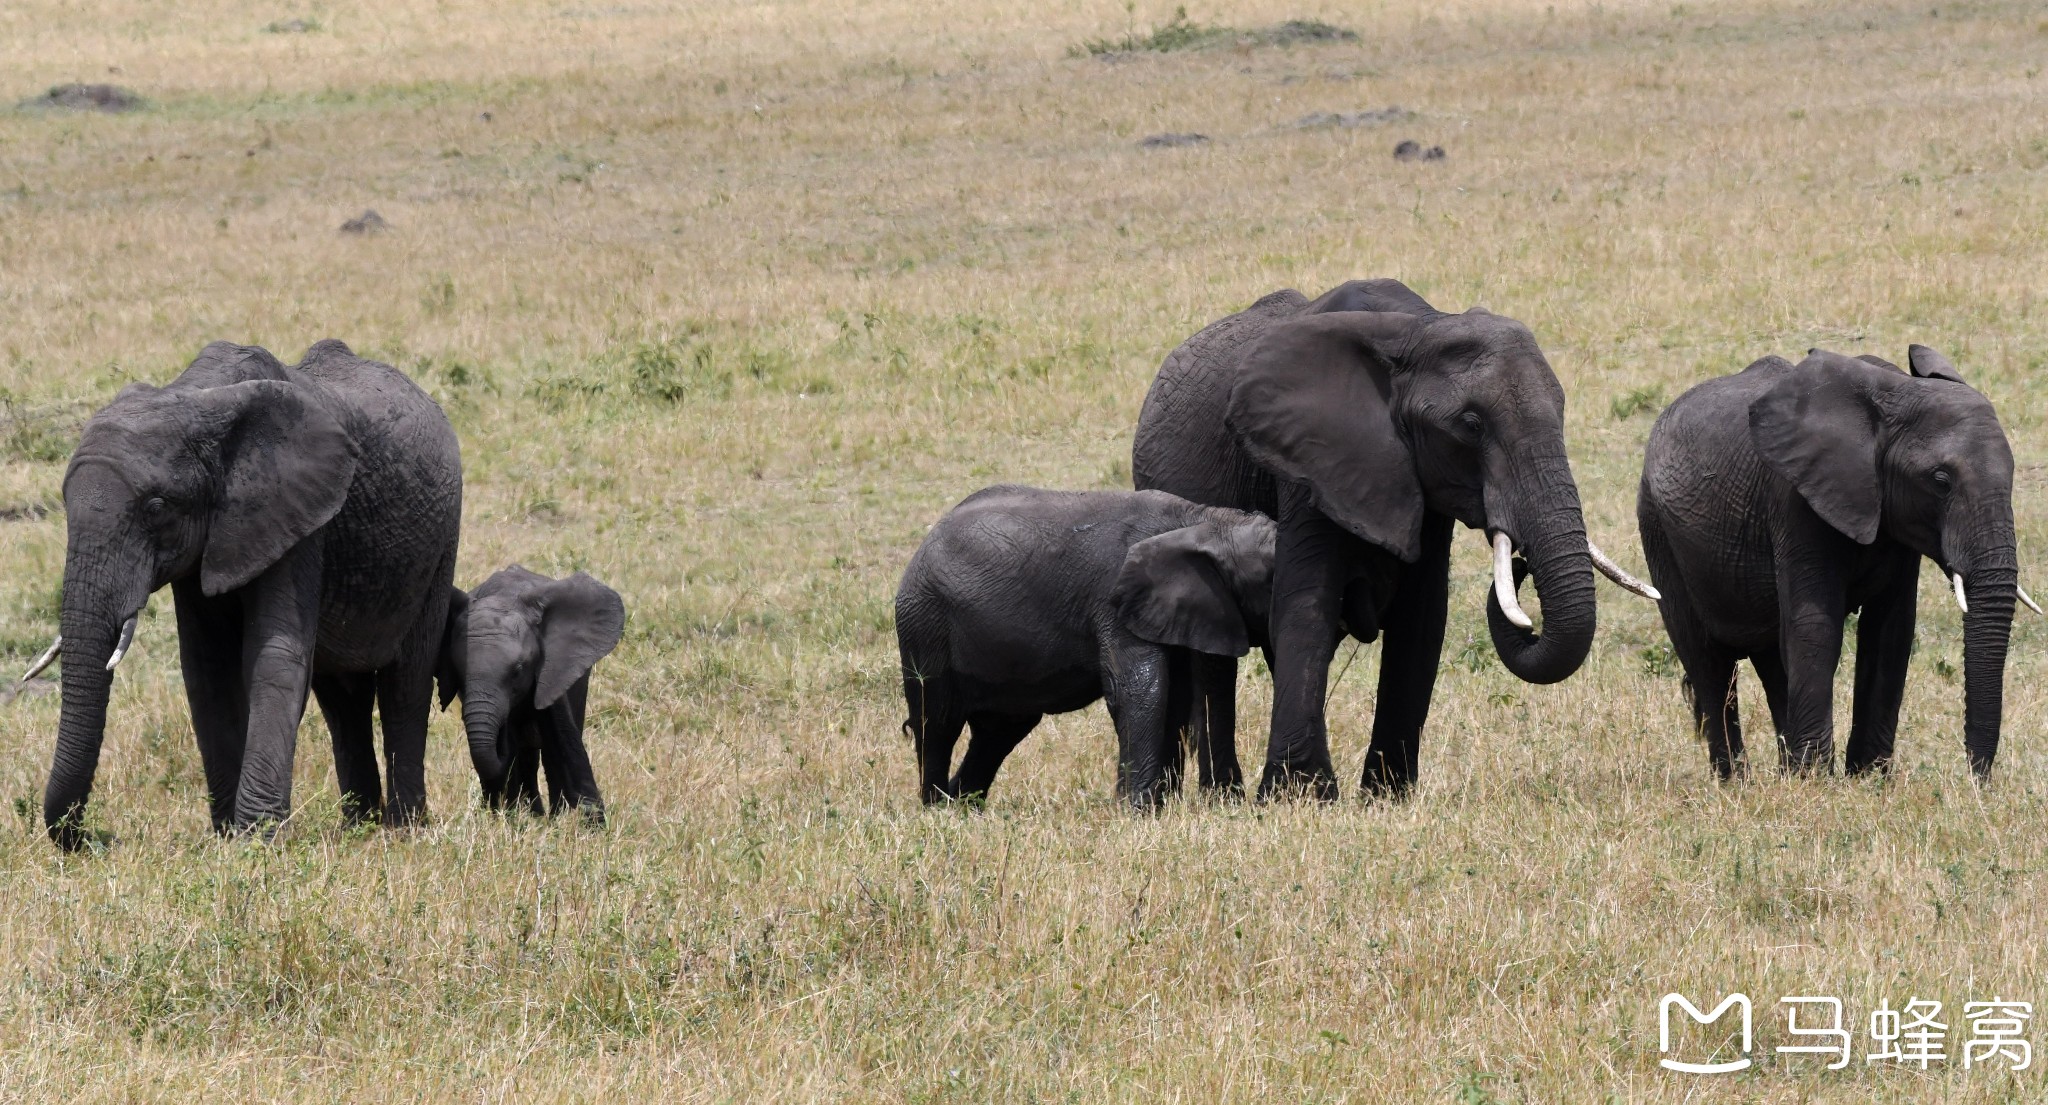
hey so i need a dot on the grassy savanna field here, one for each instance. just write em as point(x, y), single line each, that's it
point(729, 302)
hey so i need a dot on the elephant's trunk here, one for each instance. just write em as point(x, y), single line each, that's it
point(1991, 582)
point(1553, 542)
point(483, 719)
point(97, 600)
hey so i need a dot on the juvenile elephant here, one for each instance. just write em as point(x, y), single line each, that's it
point(1776, 501)
point(1022, 603)
point(1366, 422)
point(518, 652)
point(305, 518)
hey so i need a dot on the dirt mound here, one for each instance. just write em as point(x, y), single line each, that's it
point(369, 222)
point(84, 97)
point(1408, 149)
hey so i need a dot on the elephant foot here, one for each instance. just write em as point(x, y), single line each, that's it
point(1285, 781)
point(1817, 758)
point(1381, 786)
point(358, 811)
point(1230, 791)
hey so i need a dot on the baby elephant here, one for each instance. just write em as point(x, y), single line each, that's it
point(518, 652)
point(1023, 602)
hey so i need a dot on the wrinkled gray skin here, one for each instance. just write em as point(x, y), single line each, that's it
point(305, 518)
point(1367, 422)
point(1022, 603)
point(1776, 501)
point(518, 652)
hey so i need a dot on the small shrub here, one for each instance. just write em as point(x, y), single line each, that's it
point(1659, 662)
point(1178, 33)
point(1635, 401)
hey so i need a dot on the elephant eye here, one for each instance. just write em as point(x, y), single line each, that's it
point(155, 504)
point(1942, 481)
point(1470, 421)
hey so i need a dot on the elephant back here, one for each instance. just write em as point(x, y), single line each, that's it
point(1183, 444)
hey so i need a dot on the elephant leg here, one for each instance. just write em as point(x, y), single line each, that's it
point(280, 631)
point(210, 653)
point(1212, 721)
point(1770, 671)
point(1716, 712)
point(571, 783)
point(935, 720)
point(1312, 558)
point(405, 701)
point(522, 771)
point(1136, 694)
point(1178, 719)
point(346, 701)
point(1812, 605)
point(1412, 629)
point(1884, 648)
point(993, 738)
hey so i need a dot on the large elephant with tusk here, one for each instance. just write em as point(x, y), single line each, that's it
point(1776, 501)
point(1366, 423)
point(305, 519)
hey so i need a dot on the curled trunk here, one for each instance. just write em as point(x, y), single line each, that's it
point(1553, 544)
point(483, 719)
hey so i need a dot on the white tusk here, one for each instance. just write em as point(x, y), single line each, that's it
point(48, 657)
point(121, 646)
point(1960, 600)
point(1613, 571)
point(1504, 581)
point(2028, 599)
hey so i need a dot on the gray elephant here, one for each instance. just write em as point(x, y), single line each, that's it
point(1023, 602)
point(305, 518)
point(1776, 501)
point(518, 652)
point(1366, 422)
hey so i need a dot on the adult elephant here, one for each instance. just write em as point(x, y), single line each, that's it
point(305, 518)
point(1366, 422)
point(1776, 501)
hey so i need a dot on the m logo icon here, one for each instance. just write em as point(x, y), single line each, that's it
point(1693, 1011)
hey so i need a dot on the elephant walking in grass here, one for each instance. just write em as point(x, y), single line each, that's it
point(1367, 422)
point(1022, 603)
point(518, 652)
point(305, 519)
point(1777, 501)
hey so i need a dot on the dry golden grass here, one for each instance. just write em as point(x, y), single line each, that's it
point(729, 301)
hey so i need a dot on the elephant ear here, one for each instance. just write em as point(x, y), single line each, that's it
point(1930, 365)
point(581, 622)
point(286, 464)
point(1172, 590)
point(448, 663)
point(1313, 402)
point(1818, 429)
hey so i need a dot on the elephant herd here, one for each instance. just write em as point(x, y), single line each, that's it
point(306, 518)
point(1300, 468)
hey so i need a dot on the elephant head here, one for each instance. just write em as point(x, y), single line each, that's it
point(1919, 459)
point(167, 483)
point(521, 639)
point(1207, 586)
point(1386, 414)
